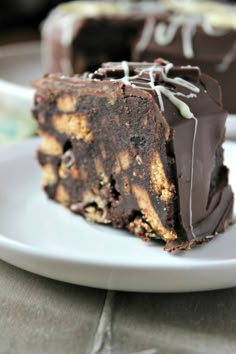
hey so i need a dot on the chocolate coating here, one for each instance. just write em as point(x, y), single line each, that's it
point(133, 162)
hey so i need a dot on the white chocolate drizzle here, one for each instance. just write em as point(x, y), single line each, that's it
point(164, 33)
point(161, 90)
point(191, 177)
point(125, 67)
point(146, 35)
point(227, 59)
point(216, 14)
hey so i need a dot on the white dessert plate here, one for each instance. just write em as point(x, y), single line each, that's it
point(231, 127)
point(20, 63)
point(44, 238)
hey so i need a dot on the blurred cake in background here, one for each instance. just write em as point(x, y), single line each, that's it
point(79, 36)
point(200, 33)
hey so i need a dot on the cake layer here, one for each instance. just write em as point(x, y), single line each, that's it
point(137, 146)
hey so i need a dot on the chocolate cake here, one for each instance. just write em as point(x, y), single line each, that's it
point(79, 36)
point(137, 146)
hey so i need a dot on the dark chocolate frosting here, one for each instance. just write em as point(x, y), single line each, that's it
point(188, 105)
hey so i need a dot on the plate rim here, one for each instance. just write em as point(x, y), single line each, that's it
point(20, 48)
point(30, 250)
point(15, 50)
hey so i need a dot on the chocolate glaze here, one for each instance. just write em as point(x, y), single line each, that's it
point(105, 92)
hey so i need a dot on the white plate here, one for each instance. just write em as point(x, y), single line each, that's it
point(20, 63)
point(231, 127)
point(44, 238)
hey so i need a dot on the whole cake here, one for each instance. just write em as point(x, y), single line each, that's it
point(79, 36)
point(137, 146)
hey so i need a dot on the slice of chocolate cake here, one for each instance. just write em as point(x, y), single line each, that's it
point(137, 146)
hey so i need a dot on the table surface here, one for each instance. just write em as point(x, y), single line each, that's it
point(39, 315)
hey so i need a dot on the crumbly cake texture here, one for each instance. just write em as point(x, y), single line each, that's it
point(198, 33)
point(137, 146)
